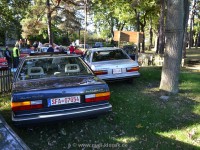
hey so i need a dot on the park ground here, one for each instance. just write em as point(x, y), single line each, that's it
point(140, 118)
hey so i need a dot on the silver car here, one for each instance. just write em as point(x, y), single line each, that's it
point(111, 63)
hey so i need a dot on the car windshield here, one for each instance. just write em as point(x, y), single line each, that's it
point(106, 55)
point(46, 67)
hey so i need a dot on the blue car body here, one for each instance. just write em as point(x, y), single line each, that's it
point(58, 97)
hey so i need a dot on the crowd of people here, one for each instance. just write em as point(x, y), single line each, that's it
point(13, 56)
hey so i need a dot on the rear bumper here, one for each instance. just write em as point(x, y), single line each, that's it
point(119, 76)
point(64, 114)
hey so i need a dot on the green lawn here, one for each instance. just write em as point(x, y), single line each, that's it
point(139, 120)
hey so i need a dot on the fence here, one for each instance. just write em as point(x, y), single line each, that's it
point(152, 60)
point(5, 81)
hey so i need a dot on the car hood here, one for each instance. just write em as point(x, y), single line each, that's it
point(114, 64)
point(53, 83)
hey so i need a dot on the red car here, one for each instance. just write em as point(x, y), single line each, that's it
point(3, 61)
point(78, 51)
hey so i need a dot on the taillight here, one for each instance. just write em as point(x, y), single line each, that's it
point(132, 69)
point(101, 72)
point(97, 97)
point(26, 105)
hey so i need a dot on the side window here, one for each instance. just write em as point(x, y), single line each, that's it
point(87, 56)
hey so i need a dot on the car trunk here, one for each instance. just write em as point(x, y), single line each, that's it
point(114, 64)
point(45, 91)
point(46, 85)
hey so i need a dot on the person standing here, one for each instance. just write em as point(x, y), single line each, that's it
point(16, 55)
point(50, 49)
point(71, 49)
point(39, 46)
point(28, 43)
point(8, 57)
point(20, 44)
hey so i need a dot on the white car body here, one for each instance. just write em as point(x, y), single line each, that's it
point(122, 67)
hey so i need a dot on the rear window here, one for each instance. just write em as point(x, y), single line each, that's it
point(106, 55)
point(52, 67)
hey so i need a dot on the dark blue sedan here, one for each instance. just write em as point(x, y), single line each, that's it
point(55, 87)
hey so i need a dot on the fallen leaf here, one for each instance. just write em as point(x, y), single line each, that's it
point(139, 126)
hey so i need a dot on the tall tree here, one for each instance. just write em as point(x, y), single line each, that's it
point(186, 5)
point(144, 10)
point(47, 16)
point(174, 42)
point(11, 13)
point(191, 31)
point(110, 15)
point(161, 35)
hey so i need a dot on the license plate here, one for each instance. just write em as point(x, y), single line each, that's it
point(117, 70)
point(63, 100)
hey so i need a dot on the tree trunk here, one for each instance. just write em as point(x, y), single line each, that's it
point(151, 35)
point(143, 39)
point(191, 40)
point(161, 34)
point(186, 5)
point(49, 23)
point(198, 41)
point(174, 42)
point(138, 26)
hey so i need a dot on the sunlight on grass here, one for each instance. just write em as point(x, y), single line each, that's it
point(193, 55)
point(5, 103)
point(126, 139)
point(197, 110)
point(140, 118)
point(189, 135)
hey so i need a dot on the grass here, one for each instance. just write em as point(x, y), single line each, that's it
point(139, 120)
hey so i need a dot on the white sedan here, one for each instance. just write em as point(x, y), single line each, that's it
point(111, 63)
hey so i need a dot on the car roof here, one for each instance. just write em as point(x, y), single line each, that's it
point(104, 49)
point(50, 54)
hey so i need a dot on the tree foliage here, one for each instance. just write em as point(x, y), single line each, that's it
point(111, 14)
point(121, 15)
point(64, 18)
point(12, 11)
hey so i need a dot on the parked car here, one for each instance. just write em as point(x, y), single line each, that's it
point(9, 139)
point(54, 87)
point(98, 44)
point(24, 52)
point(81, 46)
point(131, 50)
point(78, 51)
point(3, 61)
point(47, 45)
point(110, 63)
point(43, 49)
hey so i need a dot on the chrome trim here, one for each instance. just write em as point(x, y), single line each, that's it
point(62, 110)
point(58, 115)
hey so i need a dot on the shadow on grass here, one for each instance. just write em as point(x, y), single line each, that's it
point(147, 115)
point(140, 120)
